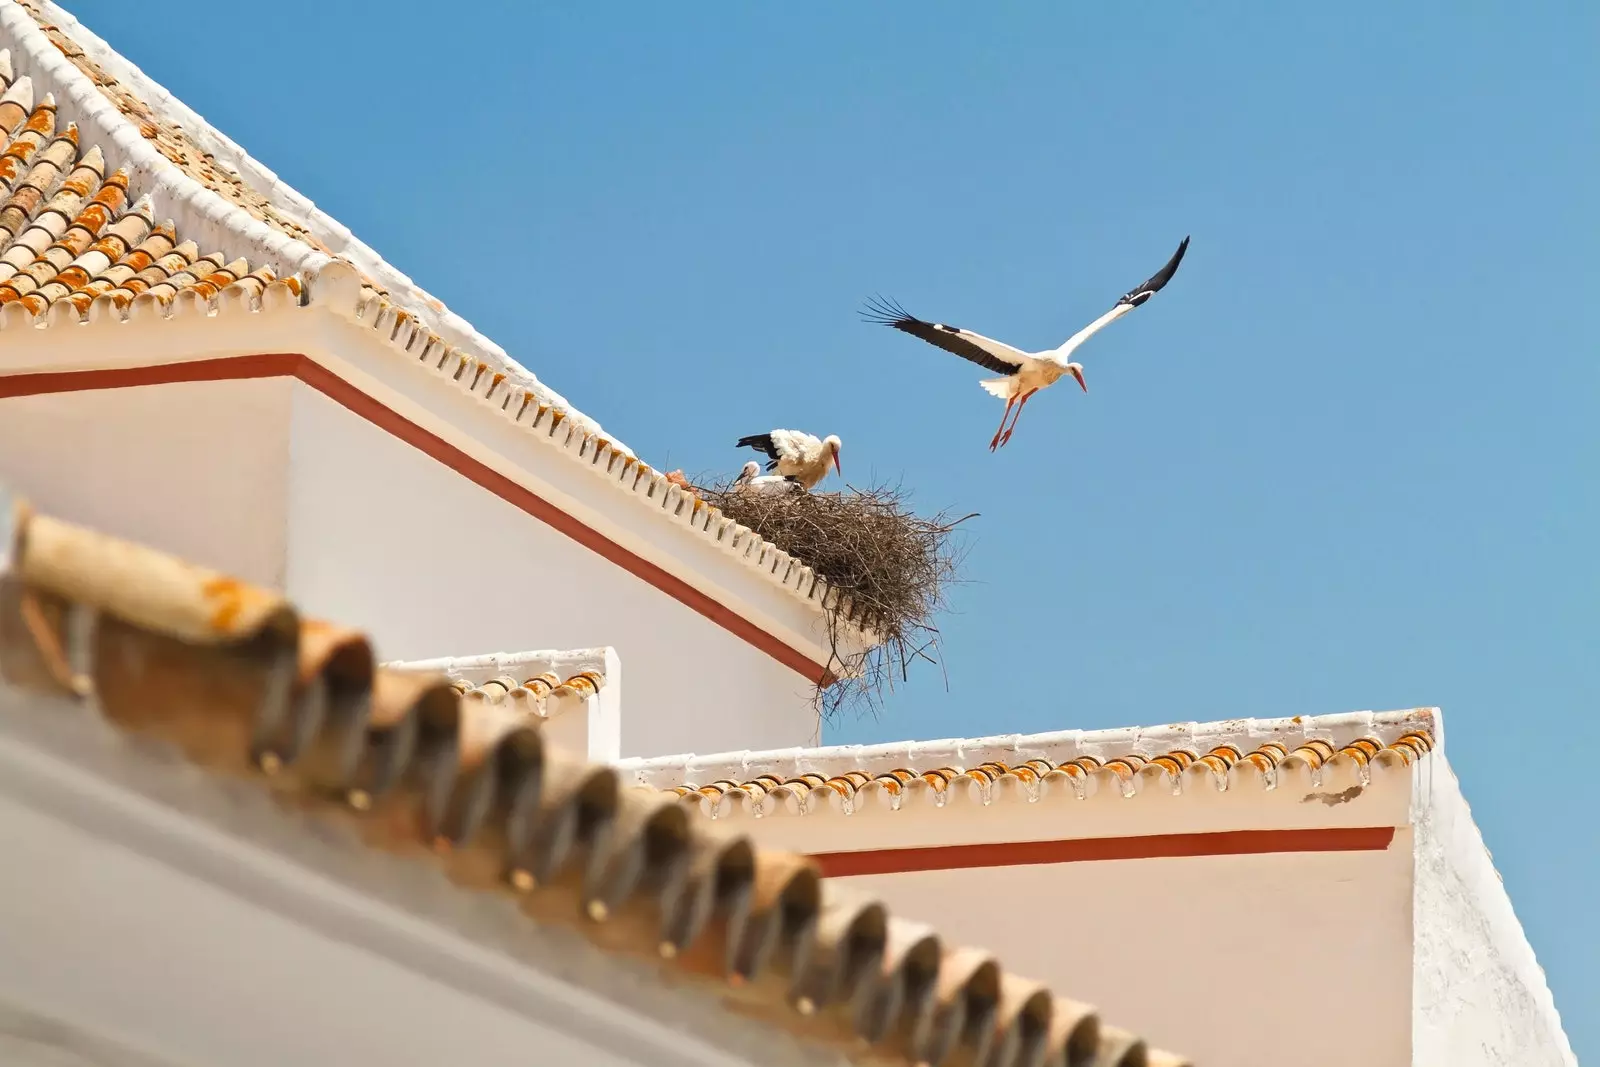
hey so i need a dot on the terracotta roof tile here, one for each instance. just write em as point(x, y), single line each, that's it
point(170, 139)
point(68, 233)
point(459, 776)
point(1218, 755)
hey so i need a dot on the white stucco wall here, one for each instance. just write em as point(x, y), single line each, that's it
point(1250, 961)
point(198, 469)
point(1481, 995)
point(1299, 958)
point(383, 537)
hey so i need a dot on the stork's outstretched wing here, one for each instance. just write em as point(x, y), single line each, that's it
point(984, 351)
point(1157, 281)
point(1130, 300)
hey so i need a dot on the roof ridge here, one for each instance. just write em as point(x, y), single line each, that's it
point(208, 215)
point(1131, 738)
point(1330, 751)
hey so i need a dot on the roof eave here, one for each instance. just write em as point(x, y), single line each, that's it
point(627, 501)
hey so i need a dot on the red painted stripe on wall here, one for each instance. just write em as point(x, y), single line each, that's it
point(303, 368)
point(1093, 849)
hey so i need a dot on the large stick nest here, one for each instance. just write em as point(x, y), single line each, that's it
point(894, 566)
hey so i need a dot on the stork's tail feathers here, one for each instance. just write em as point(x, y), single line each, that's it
point(1004, 388)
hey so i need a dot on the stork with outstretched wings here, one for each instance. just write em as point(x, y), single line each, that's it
point(1021, 373)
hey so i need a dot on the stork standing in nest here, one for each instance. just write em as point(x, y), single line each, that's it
point(1025, 373)
point(797, 456)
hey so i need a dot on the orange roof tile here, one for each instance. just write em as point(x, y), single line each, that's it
point(1222, 755)
point(238, 682)
point(68, 233)
point(171, 140)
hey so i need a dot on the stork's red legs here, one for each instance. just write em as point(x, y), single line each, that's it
point(1006, 437)
point(994, 443)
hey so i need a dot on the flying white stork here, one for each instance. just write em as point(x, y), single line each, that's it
point(796, 455)
point(1025, 373)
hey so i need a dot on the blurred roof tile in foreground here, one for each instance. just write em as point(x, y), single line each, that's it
point(241, 684)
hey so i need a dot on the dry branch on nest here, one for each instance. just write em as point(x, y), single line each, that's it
point(894, 566)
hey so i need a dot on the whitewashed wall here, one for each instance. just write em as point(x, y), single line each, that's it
point(1250, 961)
point(1246, 960)
point(1481, 996)
point(271, 481)
point(198, 469)
point(383, 537)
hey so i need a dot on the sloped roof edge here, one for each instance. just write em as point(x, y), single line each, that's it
point(206, 216)
point(1220, 755)
point(289, 272)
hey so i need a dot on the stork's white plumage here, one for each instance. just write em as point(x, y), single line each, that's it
point(751, 480)
point(1024, 373)
point(796, 455)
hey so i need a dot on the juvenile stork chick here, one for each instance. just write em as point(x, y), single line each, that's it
point(751, 480)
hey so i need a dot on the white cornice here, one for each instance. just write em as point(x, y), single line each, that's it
point(466, 405)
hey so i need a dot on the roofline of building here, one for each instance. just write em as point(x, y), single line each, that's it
point(851, 778)
point(201, 213)
point(408, 321)
point(238, 334)
point(224, 681)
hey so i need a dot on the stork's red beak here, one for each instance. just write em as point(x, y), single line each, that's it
point(1078, 374)
point(836, 465)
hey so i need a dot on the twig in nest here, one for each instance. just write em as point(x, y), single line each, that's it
point(890, 567)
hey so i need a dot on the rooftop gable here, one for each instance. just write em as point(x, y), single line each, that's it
point(234, 679)
point(119, 206)
point(219, 195)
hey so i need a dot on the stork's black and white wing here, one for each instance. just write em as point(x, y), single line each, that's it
point(1157, 281)
point(761, 442)
point(974, 347)
point(1130, 300)
point(783, 446)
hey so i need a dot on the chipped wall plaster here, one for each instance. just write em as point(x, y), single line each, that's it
point(1481, 996)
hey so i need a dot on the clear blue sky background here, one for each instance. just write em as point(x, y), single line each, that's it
point(1346, 460)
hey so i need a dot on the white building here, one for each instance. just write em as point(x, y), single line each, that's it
point(1235, 887)
point(193, 357)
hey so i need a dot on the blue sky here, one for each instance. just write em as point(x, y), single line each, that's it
point(1339, 463)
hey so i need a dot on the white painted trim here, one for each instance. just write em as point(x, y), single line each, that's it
point(63, 762)
point(665, 772)
point(765, 586)
point(599, 736)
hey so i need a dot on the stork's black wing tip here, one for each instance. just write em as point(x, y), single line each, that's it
point(1157, 281)
point(761, 442)
point(884, 312)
